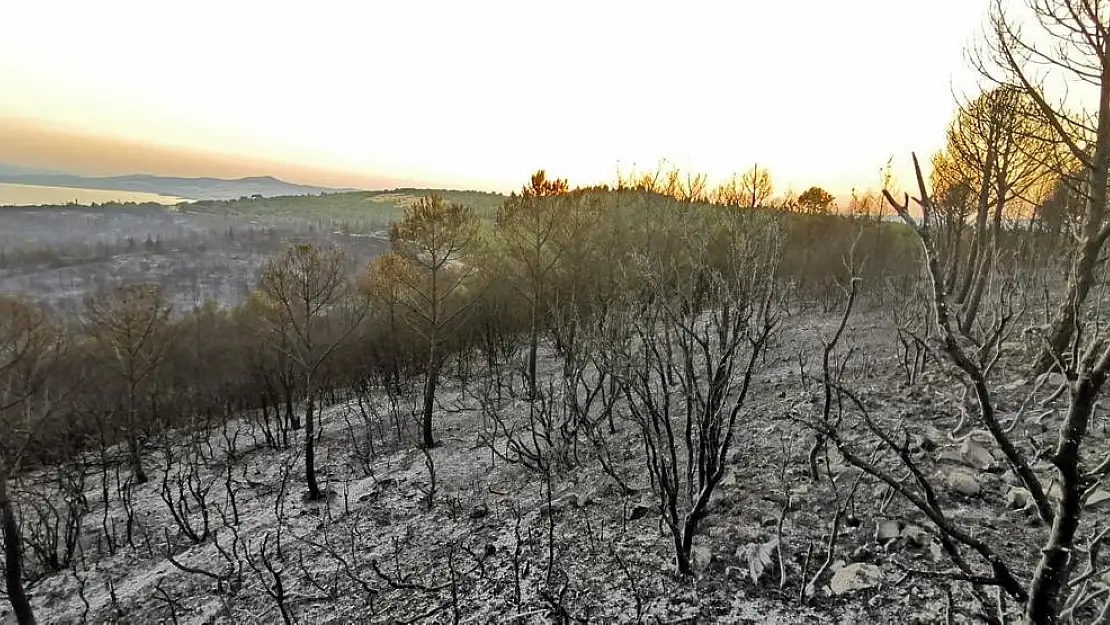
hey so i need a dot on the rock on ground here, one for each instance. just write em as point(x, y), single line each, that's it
point(963, 483)
point(856, 576)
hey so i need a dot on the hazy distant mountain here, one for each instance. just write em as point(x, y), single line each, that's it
point(189, 188)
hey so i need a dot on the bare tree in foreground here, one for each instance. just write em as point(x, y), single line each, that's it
point(313, 312)
point(530, 227)
point(707, 340)
point(28, 345)
point(1041, 596)
point(993, 159)
point(131, 326)
point(1063, 42)
point(437, 239)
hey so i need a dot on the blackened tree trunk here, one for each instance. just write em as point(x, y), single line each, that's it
point(1082, 275)
point(1080, 280)
point(314, 493)
point(430, 383)
point(979, 243)
point(13, 557)
point(533, 349)
point(1051, 573)
point(986, 258)
point(290, 414)
point(134, 451)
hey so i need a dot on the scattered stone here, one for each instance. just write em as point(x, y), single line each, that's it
point(975, 455)
point(700, 557)
point(570, 500)
point(950, 455)
point(931, 439)
point(964, 483)
point(479, 511)
point(1098, 499)
point(1018, 498)
point(759, 557)
point(887, 530)
point(917, 536)
point(855, 576)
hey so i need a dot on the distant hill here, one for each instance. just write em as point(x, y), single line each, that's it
point(189, 188)
point(354, 210)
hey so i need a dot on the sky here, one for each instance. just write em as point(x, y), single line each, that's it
point(479, 94)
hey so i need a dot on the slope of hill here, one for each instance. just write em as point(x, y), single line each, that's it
point(463, 534)
point(492, 526)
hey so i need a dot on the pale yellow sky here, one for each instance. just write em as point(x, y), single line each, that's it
point(479, 94)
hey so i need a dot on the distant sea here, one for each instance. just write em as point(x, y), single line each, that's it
point(28, 195)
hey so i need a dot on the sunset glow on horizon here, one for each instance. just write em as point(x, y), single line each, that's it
point(478, 95)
